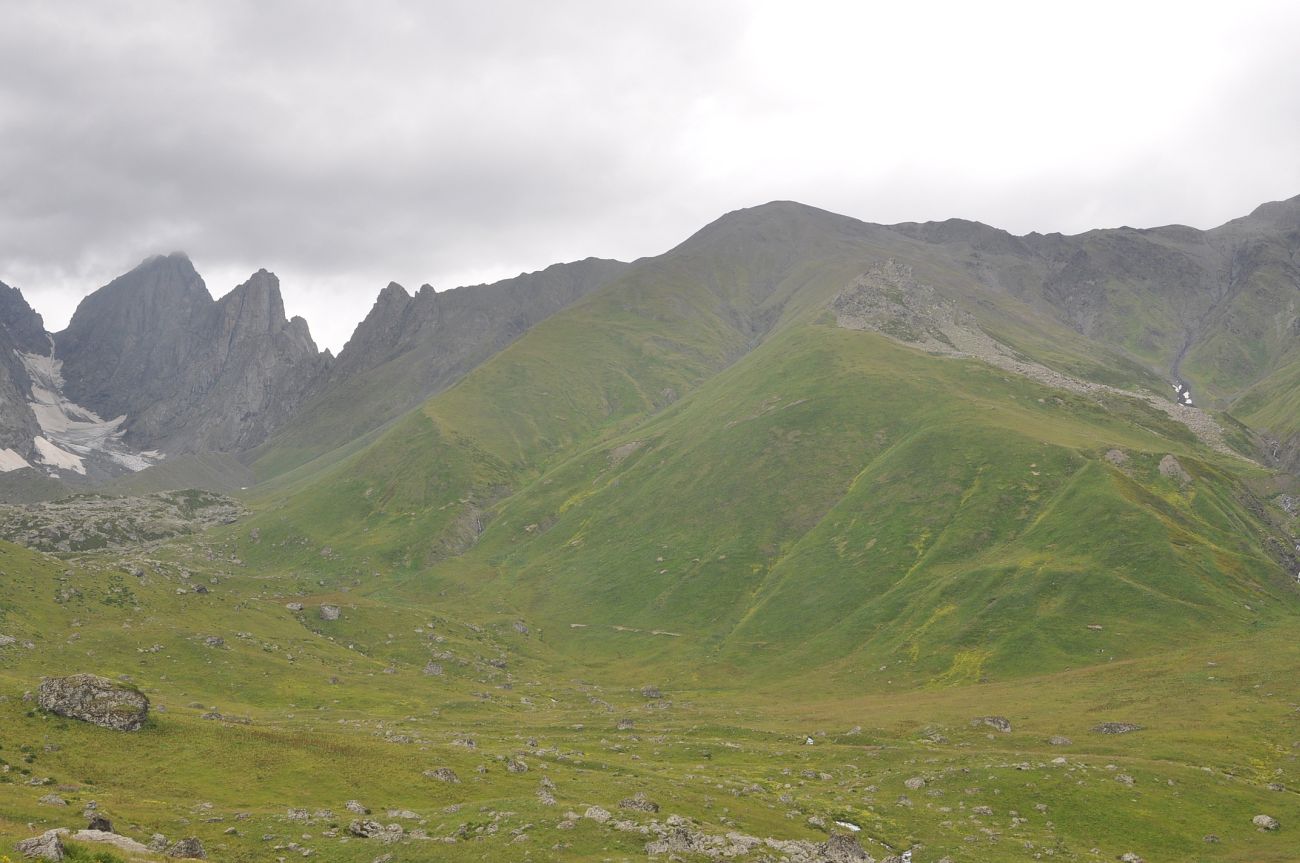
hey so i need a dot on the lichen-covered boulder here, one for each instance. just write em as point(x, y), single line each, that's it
point(96, 700)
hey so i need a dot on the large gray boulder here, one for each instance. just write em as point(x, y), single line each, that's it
point(96, 700)
point(47, 846)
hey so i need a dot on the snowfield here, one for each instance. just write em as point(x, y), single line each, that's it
point(72, 433)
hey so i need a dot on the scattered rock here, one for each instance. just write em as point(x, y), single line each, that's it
point(520, 628)
point(214, 641)
point(53, 800)
point(916, 783)
point(595, 813)
point(516, 766)
point(433, 669)
point(1130, 857)
point(1116, 728)
point(1116, 457)
point(365, 829)
point(625, 725)
point(651, 692)
point(1125, 779)
point(47, 846)
point(329, 612)
point(99, 822)
point(1058, 740)
point(294, 606)
point(356, 807)
point(96, 700)
point(1265, 822)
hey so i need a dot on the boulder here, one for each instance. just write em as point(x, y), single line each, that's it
point(1000, 723)
point(329, 612)
point(188, 848)
point(47, 846)
point(443, 774)
point(365, 828)
point(1265, 822)
point(1116, 728)
point(843, 848)
point(639, 803)
point(108, 837)
point(96, 700)
point(1170, 467)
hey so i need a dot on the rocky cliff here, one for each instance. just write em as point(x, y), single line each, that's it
point(21, 330)
point(189, 373)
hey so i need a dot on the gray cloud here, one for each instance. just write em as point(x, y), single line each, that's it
point(344, 145)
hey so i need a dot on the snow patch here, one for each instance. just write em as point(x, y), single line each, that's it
point(10, 460)
point(71, 432)
point(55, 457)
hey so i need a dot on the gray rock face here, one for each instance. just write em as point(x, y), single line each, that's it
point(190, 373)
point(21, 329)
point(96, 700)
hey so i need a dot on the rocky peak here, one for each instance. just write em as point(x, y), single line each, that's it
point(25, 328)
point(190, 373)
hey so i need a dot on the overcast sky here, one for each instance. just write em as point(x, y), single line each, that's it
point(346, 145)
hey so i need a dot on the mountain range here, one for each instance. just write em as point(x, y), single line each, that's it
point(978, 544)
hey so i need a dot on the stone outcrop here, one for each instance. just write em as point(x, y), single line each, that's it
point(96, 700)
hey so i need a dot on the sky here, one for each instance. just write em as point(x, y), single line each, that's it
point(345, 145)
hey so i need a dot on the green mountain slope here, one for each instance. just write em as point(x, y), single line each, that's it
point(781, 493)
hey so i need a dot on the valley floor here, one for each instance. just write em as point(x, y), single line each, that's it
point(267, 721)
